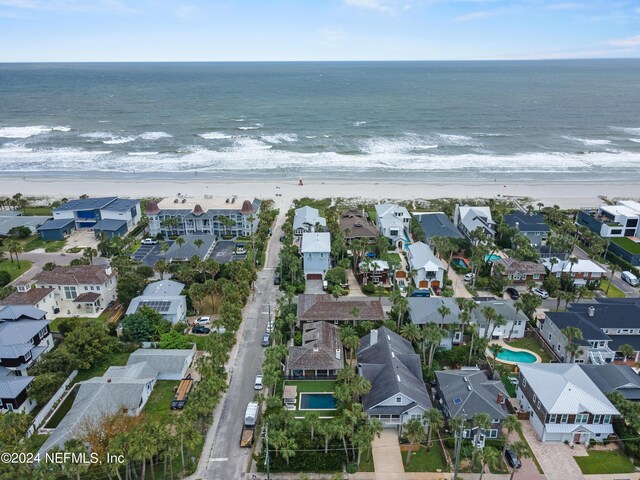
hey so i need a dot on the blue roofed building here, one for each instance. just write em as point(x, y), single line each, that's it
point(437, 224)
point(90, 212)
point(530, 225)
point(111, 228)
point(57, 229)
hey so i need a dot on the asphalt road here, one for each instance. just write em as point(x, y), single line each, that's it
point(617, 280)
point(226, 460)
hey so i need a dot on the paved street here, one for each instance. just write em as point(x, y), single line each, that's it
point(617, 280)
point(222, 456)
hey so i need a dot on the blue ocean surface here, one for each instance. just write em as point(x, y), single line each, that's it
point(417, 120)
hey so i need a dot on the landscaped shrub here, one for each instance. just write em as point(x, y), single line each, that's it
point(5, 278)
point(369, 288)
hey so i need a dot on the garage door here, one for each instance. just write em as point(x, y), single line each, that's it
point(423, 284)
point(314, 276)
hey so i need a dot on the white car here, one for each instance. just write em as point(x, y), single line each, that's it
point(203, 321)
point(148, 241)
point(630, 278)
point(257, 385)
point(469, 277)
point(540, 292)
point(269, 327)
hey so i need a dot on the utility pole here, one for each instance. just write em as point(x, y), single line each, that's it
point(266, 455)
point(458, 436)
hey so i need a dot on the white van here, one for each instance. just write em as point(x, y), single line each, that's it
point(630, 278)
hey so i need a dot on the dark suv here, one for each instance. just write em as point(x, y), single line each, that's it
point(513, 293)
point(512, 459)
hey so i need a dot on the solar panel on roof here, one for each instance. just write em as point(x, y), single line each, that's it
point(457, 401)
point(157, 305)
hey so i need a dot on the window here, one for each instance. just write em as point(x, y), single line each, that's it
point(86, 288)
point(27, 356)
point(607, 419)
point(564, 418)
point(582, 418)
point(70, 293)
point(553, 418)
point(398, 399)
point(415, 416)
point(524, 382)
point(493, 433)
point(538, 404)
point(495, 420)
point(536, 276)
point(597, 419)
point(549, 336)
point(558, 347)
point(466, 433)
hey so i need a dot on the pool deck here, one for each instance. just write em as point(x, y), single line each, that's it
point(514, 349)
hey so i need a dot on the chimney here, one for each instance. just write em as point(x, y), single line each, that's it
point(338, 354)
point(108, 270)
point(373, 337)
point(591, 311)
point(517, 224)
point(315, 348)
point(500, 398)
point(108, 380)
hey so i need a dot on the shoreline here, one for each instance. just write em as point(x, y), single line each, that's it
point(566, 194)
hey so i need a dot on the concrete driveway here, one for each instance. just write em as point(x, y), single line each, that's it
point(556, 459)
point(387, 458)
point(459, 286)
point(354, 286)
point(313, 287)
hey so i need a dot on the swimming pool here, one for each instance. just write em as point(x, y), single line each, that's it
point(459, 262)
point(492, 258)
point(516, 356)
point(407, 240)
point(317, 401)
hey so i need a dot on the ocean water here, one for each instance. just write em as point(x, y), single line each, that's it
point(416, 120)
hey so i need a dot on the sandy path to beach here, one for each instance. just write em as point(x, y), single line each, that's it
point(565, 194)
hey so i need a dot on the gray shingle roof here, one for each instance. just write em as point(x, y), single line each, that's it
point(56, 224)
point(512, 266)
point(163, 287)
point(437, 224)
point(30, 297)
point(476, 394)
point(75, 275)
point(357, 225)
point(425, 310)
point(122, 205)
point(389, 362)
point(502, 307)
point(614, 378)
point(165, 361)
point(526, 223)
point(7, 223)
point(109, 224)
point(307, 217)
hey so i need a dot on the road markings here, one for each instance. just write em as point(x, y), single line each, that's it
point(220, 459)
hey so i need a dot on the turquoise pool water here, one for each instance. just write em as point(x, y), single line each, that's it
point(458, 262)
point(492, 258)
point(514, 356)
point(317, 401)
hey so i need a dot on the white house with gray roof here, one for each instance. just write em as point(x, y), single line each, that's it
point(423, 310)
point(307, 220)
point(516, 321)
point(468, 219)
point(394, 222)
point(564, 403)
point(465, 392)
point(398, 393)
point(121, 389)
point(429, 268)
point(316, 253)
point(164, 297)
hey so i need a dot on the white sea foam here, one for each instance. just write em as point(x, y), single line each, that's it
point(590, 142)
point(310, 136)
point(628, 130)
point(155, 135)
point(26, 132)
point(457, 140)
point(142, 154)
point(96, 135)
point(249, 128)
point(214, 136)
point(119, 140)
point(636, 140)
point(358, 124)
point(280, 138)
point(238, 119)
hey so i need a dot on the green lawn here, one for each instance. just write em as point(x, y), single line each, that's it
point(38, 211)
point(158, 407)
point(366, 462)
point(114, 359)
point(392, 256)
point(531, 344)
point(510, 387)
point(50, 246)
point(13, 268)
point(372, 214)
point(614, 292)
point(627, 244)
point(426, 461)
point(605, 462)
point(313, 385)
point(63, 409)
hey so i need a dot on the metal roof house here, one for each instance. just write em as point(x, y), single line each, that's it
point(307, 220)
point(423, 310)
point(90, 212)
point(165, 298)
point(564, 403)
point(394, 222)
point(398, 393)
point(7, 222)
point(57, 229)
point(468, 219)
point(316, 252)
point(429, 268)
point(465, 392)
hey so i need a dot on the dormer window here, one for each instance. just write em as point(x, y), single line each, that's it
point(398, 399)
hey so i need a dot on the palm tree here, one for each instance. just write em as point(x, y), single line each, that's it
point(14, 247)
point(90, 253)
point(414, 431)
point(489, 314)
point(411, 332)
point(498, 321)
point(518, 306)
point(433, 334)
point(443, 311)
point(180, 242)
point(495, 349)
point(614, 268)
point(198, 242)
point(435, 421)
point(313, 420)
point(481, 421)
point(161, 267)
point(572, 261)
point(288, 448)
point(352, 342)
point(355, 313)
point(487, 456)
point(521, 449)
point(626, 350)
point(510, 424)
point(573, 349)
point(474, 334)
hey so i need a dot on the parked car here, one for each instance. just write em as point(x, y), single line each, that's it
point(402, 286)
point(203, 321)
point(436, 290)
point(630, 278)
point(541, 292)
point(282, 237)
point(219, 330)
point(469, 277)
point(266, 340)
point(325, 285)
point(513, 293)
point(512, 459)
point(148, 241)
point(269, 328)
point(276, 279)
point(240, 250)
point(257, 385)
point(201, 329)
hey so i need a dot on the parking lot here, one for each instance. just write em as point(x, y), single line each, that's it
point(223, 251)
point(149, 254)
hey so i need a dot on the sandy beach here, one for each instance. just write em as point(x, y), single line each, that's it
point(565, 194)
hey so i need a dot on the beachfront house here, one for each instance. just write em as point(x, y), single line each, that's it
point(532, 226)
point(468, 219)
point(165, 298)
point(613, 221)
point(79, 290)
point(429, 268)
point(398, 393)
point(520, 273)
point(307, 220)
point(394, 222)
point(10, 219)
point(176, 216)
point(122, 213)
point(465, 392)
point(581, 273)
point(316, 254)
point(355, 225)
point(606, 325)
point(321, 355)
point(565, 405)
point(323, 307)
point(437, 225)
